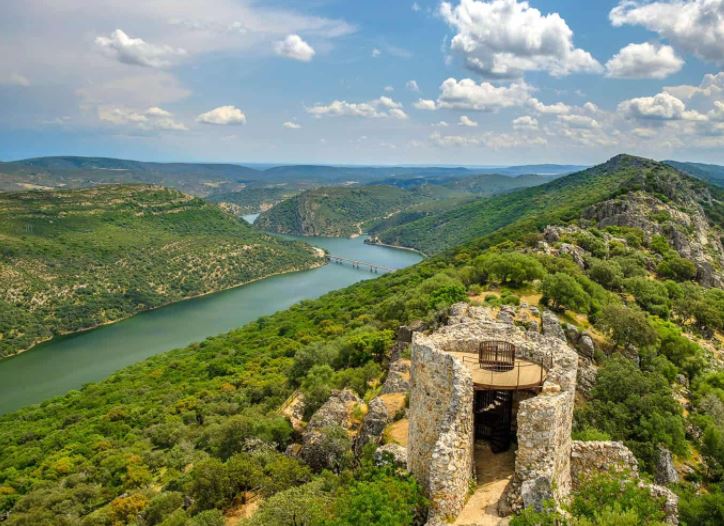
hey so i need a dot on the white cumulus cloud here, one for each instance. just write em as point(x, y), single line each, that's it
point(425, 104)
point(153, 118)
point(223, 116)
point(412, 86)
point(377, 108)
point(467, 122)
point(136, 51)
point(294, 47)
point(644, 61)
point(506, 38)
point(525, 122)
point(557, 108)
point(696, 26)
point(660, 107)
point(466, 94)
point(291, 125)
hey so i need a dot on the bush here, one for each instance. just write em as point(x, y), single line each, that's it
point(652, 296)
point(676, 268)
point(511, 268)
point(626, 327)
point(606, 273)
point(561, 291)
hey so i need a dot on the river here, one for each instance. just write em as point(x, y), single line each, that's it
point(69, 362)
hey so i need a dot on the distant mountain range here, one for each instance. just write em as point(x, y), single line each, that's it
point(708, 172)
point(205, 179)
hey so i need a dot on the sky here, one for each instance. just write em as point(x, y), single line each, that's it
point(478, 82)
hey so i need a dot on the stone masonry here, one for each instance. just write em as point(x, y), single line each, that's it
point(441, 434)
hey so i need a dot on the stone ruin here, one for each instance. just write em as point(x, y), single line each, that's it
point(441, 434)
point(548, 463)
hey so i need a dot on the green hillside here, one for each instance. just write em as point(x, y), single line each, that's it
point(188, 435)
point(251, 200)
point(708, 172)
point(335, 211)
point(553, 202)
point(71, 260)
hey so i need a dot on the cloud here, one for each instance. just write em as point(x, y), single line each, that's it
point(415, 7)
point(153, 118)
point(412, 86)
point(526, 122)
point(377, 108)
point(712, 85)
point(660, 107)
point(467, 122)
point(389, 89)
point(376, 53)
point(696, 26)
point(493, 140)
point(14, 79)
point(425, 104)
point(579, 121)
point(291, 125)
point(223, 116)
point(506, 38)
point(644, 61)
point(466, 94)
point(136, 51)
point(557, 108)
point(295, 48)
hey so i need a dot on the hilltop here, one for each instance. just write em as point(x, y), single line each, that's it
point(74, 259)
point(267, 417)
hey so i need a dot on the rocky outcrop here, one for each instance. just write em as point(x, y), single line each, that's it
point(552, 326)
point(393, 453)
point(373, 424)
point(595, 457)
point(398, 377)
point(665, 473)
point(685, 226)
point(335, 414)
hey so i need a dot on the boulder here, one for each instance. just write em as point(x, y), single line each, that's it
point(665, 473)
point(398, 377)
point(373, 424)
point(551, 325)
point(394, 453)
point(585, 346)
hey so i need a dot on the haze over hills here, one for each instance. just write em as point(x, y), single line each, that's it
point(627, 253)
point(75, 259)
point(708, 172)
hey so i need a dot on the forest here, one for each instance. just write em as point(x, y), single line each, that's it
point(188, 436)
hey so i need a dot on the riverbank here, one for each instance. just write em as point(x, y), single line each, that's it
point(370, 241)
point(320, 253)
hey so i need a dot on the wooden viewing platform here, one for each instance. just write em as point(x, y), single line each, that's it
point(356, 263)
point(496, 367)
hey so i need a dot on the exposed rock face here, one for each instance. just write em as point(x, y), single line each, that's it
point(665, 473)
point(591, 458)
point(395, 452)
point(398, 377)
point(441, 431)
point(687, 228)
point(335, 412)
point(551, 325)
point(585, 346)
point(373, 425)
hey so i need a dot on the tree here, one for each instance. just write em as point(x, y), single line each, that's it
point(607, 273)
point(512, 268)
point(210, 485)
point(561, 292)
point(677, 268)
point(626, 327)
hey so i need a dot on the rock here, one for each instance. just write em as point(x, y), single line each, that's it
point(405, 332)
point(665, 473)
point(571, 333)
point(551, 325)
point(506, 315)
point(587, 372)
point(575, 252)
point(552, 234)
point(682, 380)
point(373, 424)
point(398, 377)
point(671, 502)
point(318, 449)
point(596, 456)
point(585, 346)
point(394, 453)
point(535, 492)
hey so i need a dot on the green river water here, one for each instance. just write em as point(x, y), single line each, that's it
point(69, 362)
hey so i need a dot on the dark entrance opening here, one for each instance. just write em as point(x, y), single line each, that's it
point(493, 412)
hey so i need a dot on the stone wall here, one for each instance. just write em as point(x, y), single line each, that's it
point(589, 458)
point(440, 437)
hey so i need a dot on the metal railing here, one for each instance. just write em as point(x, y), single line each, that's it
point(496, 355)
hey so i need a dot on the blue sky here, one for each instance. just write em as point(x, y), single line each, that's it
point(367, 82)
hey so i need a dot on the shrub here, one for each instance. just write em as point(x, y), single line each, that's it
point(561, 291)
point(626, 327)
point(607, 273)
point(511, 268)
point(676, 268)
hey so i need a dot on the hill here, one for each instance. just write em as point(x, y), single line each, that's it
point(186, 436)
point(335, 211)
point(71, 260)
point(556, 201)
point(708, 172)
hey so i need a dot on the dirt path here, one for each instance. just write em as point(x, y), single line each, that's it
point(493, 471)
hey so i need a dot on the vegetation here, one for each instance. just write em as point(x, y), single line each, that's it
point(184, 435)
point(72, 260)
point(335, 211)
point(252, 200)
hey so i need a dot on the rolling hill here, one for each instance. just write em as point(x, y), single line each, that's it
point(74, 259)
point(708, 172)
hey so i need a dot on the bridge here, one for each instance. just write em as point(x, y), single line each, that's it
point(356, 263)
